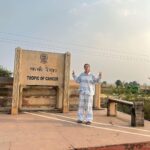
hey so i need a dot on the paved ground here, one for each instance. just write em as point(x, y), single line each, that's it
point(57, 131)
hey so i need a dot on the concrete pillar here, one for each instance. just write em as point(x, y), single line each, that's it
point(66, 83)
point(137, 114)
point(112, 109)
point(16, 88)
point(97, 98)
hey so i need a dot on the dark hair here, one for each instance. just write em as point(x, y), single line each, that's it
point(86, 65)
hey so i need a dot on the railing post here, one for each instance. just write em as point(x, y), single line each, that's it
point(137, 114)
point(111, 108)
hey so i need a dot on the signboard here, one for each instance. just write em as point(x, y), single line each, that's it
point(40, 68)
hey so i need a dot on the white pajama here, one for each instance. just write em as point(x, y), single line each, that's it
point(85, 111)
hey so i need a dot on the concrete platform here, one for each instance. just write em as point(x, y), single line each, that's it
point(57, 131)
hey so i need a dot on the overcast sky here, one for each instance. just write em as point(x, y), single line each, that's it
point(112, 35)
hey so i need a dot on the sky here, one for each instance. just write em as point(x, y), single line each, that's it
point(113, 36)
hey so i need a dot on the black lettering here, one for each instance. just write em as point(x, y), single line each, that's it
point(51, 78)
point(41, 78)
point(32, 77)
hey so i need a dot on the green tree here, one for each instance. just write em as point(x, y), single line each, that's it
point(118, 83)
point(4, 72)
point(134, 87)
point(119, 87)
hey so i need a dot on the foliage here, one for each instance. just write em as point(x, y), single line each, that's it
point(125, 87)
point(4, 72)
point(118, 83)
point(129, 91)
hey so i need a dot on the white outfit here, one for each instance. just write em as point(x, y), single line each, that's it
point(87, 90)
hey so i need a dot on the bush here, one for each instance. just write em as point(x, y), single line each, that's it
point(4, 72)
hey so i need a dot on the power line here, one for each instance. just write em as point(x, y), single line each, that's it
point(100, 53)
point(74, 44)
point(28, 44)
